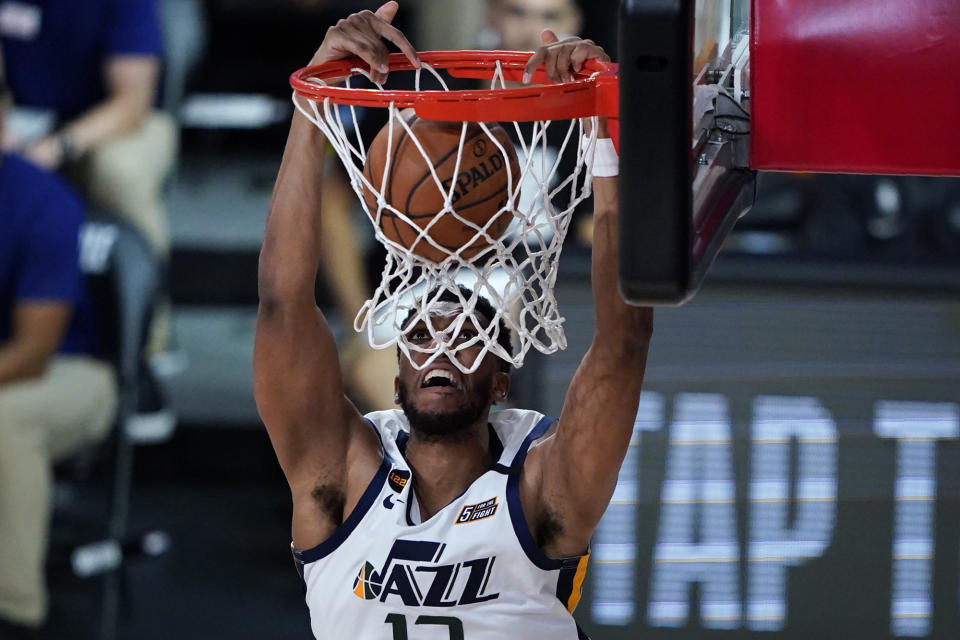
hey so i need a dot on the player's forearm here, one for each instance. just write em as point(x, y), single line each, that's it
point(291, 246)
point(618, 324)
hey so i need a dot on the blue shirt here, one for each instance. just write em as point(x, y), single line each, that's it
point(54, 50)
point(40, 218)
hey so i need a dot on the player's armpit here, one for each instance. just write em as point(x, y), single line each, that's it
point(329, 490)
point(326, 450)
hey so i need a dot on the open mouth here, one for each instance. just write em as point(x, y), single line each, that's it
point(438, 378)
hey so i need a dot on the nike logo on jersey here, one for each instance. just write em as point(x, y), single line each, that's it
point(389, 501)
point(412, 574)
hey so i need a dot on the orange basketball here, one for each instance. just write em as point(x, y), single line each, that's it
point(480, 185)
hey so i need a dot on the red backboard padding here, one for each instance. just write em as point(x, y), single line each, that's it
point(856, 86)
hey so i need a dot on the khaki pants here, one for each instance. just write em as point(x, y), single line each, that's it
point(126, 176)
point(42, 420)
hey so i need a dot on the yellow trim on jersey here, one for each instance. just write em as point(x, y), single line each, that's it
point(578, 578)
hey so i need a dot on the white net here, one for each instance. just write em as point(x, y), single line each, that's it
point(515, 271)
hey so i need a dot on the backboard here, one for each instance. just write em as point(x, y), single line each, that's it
point(684, 141)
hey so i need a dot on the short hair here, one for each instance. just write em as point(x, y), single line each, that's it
point(484, 309)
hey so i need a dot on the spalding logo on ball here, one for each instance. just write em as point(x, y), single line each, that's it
point(480, 186)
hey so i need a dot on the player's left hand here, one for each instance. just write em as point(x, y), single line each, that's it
point(362, 34)
point(562, 58)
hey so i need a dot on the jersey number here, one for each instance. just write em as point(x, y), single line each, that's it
point(399, 623)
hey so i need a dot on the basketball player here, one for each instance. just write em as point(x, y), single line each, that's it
point(440, 520)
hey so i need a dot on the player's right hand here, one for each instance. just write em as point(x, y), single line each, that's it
point(562, 58)
point(362, 34)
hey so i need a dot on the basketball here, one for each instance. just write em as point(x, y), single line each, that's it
point(480, 191)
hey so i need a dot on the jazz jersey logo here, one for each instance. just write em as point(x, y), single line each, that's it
point(474, 512)
point(412, 574)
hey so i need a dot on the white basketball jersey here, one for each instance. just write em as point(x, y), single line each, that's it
point(470, 572)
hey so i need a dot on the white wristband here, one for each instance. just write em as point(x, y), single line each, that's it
point(606, 162)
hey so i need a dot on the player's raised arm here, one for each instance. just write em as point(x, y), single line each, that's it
point(574, 472)
point(315, 430)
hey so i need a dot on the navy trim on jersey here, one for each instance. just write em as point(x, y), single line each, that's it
point(568, 573)
point(411, 498)
point(402, 438)
point(581, 635)
point(367, 500)
point(520, 528)
point(535, 434)
point(299, 566)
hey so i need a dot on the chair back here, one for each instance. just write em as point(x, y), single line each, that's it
point(123, 278)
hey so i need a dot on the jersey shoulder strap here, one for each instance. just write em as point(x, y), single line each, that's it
point(518, 429)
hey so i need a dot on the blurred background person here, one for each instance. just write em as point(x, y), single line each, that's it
point(515, 25)
point(84, 75)
point(91, 68)
point(55, 394)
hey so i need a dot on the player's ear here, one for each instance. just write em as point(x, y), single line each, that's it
point(501, 387)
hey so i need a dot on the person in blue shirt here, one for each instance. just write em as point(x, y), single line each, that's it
point(55, 395)
point(90, 70)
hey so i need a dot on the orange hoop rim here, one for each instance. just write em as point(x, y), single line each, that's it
point(593, 92)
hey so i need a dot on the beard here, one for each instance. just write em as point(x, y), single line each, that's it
point(435, 426)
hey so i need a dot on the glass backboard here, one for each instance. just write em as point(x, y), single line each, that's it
point(684, 109)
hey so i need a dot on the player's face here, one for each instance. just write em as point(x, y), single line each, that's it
point(521, 21)
point(440, 399)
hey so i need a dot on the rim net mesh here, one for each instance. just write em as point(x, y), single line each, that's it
point(516, 273)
